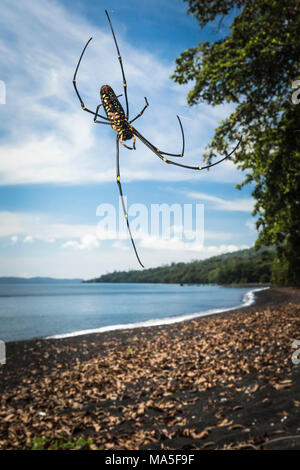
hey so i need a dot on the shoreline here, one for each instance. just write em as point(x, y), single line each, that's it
point(248, 299)
point(165, 320)
point(17, 351)
point(221, 381)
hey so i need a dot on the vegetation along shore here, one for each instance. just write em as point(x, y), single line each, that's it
point(241, 267)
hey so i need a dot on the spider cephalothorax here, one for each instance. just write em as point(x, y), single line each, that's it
point(118, 120)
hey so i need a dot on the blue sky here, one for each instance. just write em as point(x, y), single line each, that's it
point(57, 166)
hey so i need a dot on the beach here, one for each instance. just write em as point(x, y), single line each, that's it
point(225, 381)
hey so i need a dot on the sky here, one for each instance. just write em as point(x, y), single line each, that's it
point(58, 168)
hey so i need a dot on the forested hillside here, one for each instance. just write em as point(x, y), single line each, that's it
point(240, 267)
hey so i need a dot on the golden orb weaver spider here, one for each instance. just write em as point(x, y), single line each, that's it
point(118, 120)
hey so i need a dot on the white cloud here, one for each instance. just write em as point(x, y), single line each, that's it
point(177, 244)
point(28, 239)
point(52, 140)
point(14, 239)
point(94, 256)
point(39, 227)
point(86, 239)
point(120, 245)
point(242, 205)
point(87, 242)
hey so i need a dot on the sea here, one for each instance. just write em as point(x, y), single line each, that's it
point(59, 310)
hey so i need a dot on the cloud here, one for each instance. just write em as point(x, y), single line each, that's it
point(87, 242)
point(14, 239)
point(43, 228)
point(241, 205)
point(94, 256)
point(39, 227)
point(177, 244)
point(28, 239)
point(88, 237)
point(120, 245)
point(51, 140)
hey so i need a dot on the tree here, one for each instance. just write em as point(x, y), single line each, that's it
point(256, 67)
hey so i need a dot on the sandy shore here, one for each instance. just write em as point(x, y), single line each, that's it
point(217, 382)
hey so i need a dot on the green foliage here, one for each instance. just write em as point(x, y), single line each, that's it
point(246, 266)
point(254, 67)
point(285, 268)
point(42, 443)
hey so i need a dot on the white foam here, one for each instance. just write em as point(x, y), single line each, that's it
point(248, 299)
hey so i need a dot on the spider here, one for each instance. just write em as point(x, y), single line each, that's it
point(119, 121)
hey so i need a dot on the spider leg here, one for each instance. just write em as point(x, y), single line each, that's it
point(158, 151)
point(76, 89)
point(121, 65)
point(129, 148)
point(183, 143)
point(122, 199)
point(142, 112)
point(159, 154)
point(96, 114)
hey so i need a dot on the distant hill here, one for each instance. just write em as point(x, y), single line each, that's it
point(240, 267)
point(36, 280)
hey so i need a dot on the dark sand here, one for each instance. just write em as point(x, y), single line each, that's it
point(225, 381)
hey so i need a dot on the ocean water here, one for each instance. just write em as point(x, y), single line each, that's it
point(58, 310)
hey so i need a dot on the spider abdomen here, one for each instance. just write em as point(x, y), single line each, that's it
point(115, 112)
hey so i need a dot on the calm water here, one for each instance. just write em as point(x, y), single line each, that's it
point(41, 310)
